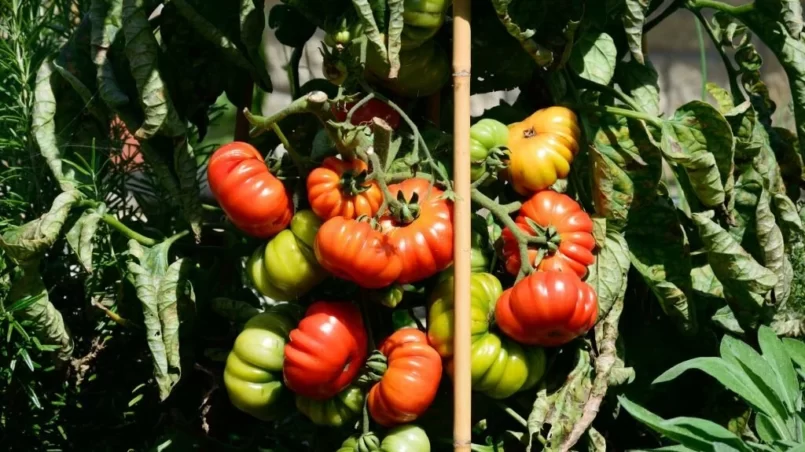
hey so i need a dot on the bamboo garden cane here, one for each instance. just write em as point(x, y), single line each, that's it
point(462, 384)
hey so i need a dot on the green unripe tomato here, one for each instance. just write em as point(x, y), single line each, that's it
point(333, 412)
point(286, 268)
point(405, 438)
point(485, 135)
point(423, 70)
point(253, 372)
point(422, 19)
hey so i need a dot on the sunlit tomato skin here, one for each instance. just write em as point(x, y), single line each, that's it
point(541, 149)
point(253, 199)
point(353, 250)
point(326, 351)
point(337, 188)
point(423, 70)
point(500, 366)
point(335, 411)
point(423, 19)
point(253, 373)
point(425, 246)
point(286, 267)
point(573, 234)
point(373, 108)
point(405, 438)
point(486, 135)
point(410, 382)
point(547, 309)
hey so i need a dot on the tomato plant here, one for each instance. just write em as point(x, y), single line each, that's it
point(617, 241)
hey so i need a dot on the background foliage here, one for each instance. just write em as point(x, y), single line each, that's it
point(103, 248)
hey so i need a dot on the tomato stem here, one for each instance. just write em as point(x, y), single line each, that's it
point(297, 159)
point(514, 414)
point(358, 105)
point(502, 214)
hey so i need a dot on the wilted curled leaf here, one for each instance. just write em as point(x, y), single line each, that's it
point(772, 246)
point(633, 19)
point(608, 274)
point(44, 126)
point(106, 16)
point(184, 162)
point(160, 287)
point(641, 82)
point(80, 236)
point(32, 239)
point(746, 283)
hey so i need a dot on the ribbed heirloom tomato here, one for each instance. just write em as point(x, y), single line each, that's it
point(253, 373)
point(326, 351)
point(353, 250)
point(422, 19)
point(405, 438)
point(286, 267)
point(485, 135)
point(335, 411)
point(409, 384)
point(338, 188)
point(567, 231)
point(425, 245)
point(253, 199)
point(500, 366)
point(547, 308)
point(542, 148)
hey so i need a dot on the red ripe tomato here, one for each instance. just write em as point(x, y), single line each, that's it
point(567, 229)
point(547, 309)
point(337, 188)
point(253, 199)
point(353, 250)
point(425, 245)
point(326, 351)
point(409, 385)
point(363, 115)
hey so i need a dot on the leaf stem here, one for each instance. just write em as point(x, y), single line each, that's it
point(672, 8)
point(714, 4)
point(622, 112)
point(298, 160)
point(731, 71)
point(702, 57)
point(510, 411)
point(618, 94)
point(316, 103)
point(112, 221)
point(502, 214)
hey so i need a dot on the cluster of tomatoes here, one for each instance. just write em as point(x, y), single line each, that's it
point(321, 359)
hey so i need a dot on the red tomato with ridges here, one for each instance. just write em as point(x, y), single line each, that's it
point(253, 199)
point(373, 108)
point(326, 351)
point(412, 378)
point(573, 230)
point(353, 250)
point(425, 246)
point(337, 188)
point(547, 309)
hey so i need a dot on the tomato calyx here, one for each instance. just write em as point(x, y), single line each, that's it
point(374, 369)
point(354, 184)
point(405, 211)
point(546, 237)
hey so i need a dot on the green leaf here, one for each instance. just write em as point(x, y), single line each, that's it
point(562, 408)
point(699, 139)
point(725, 319)
point(641, 82)
point(106, 17)
point(755, 372)
point(234, 310)
point(765, 429)
point(46, 321)
point(746, 283)
point(772, 245)
point(290, 27)
point(633, 19)
point(395, 29)
point(142, 51)
point(727, 373)
point(608, 274)
point(722, 97)
point(594, 57)
point(790, 11)
point(229, 49)
point(81, 235)
point(787, 217)
point(790, 51)
point(44, 126)
point(373, 33)
point(184, 162)
point(779, 361)
point(697, 434)
point(31, 240)
point(160, 287)
point(666, 269)
point(796, 351)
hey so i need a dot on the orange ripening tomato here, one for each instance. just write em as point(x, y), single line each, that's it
point(568, 232)
point(425, 245)
point(541, 148)
point(253, 199)
point(353, 250)
point(326, 350)
point(338, 188)
point(411, 380)
point(547, 309)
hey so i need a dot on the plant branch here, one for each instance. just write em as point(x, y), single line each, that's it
point(502, 214)
point(731, 71)
point(607, 357)
point(112, 221)
point(515, 415)
point(672, 8)
point(713, 4)
point(614, 92)
point(297, 159)
point(315, 103)
point(622, 112)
